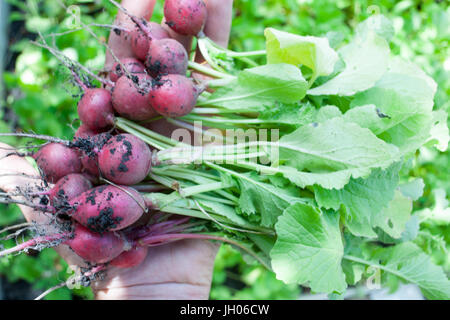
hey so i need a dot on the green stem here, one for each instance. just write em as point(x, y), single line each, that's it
point(147, 132)
point(185, 209)
point(208, 110)
point(193, 117)
point(162, 180)
point(257, 167)
point(381, 267)
point(190, 191)
point(208, 71)
point(143, 137)
point(193, 128)
point(217, 83)
point(255, 53)
point(216, 199)
point(185, 192)
point(194, 176)
point(203, 47)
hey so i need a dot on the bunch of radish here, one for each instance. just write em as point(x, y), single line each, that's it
point(150, 84)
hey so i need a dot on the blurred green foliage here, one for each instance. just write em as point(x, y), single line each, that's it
point(42, 98)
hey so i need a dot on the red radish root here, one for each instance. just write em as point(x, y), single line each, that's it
point(131, 102)
point(175, 96)
point(56, 161)
point(107, 208)
point(90, 147)
point(142, 36)
point(186, 17)
point(125, 159)
point(95, 247)
point(67, 188)
point(95, 109)
point(131, 258)
point(85, 132)
point(166, 56)
point(131, 64)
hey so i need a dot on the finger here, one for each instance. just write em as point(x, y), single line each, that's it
point(217, 28)
point(120, 44)
point(12, 165)
point(218, 22)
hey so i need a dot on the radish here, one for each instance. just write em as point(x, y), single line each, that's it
point(131, 258)
point(132, 65)
point(166, 56)
point(94, 247)
point(142, 36)
point(131, 102)
point(95, 109)
point(84, 132)
point(186, 17)
point(89, 158)
point(57, 160)
point(107, 208)
point(125, 159)
point(67, 188)
point(174, 96)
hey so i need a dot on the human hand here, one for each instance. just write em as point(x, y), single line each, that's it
point(179, 270)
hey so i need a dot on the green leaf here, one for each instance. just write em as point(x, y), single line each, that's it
point(313, 52)
point(398, 108)
point(309, 249)
point(330, 153)
point(409, 234)
point(366, 60)
point(440, 213)
point(412, 189)
point(261, 86)
point(362, 200)
point(289, 114)
point(439, 133)
point(263, 242)
point(223, 210)
point(393, 219)
point(378, 23)
point(408, 263)
point(327, 112)
point(353, 272)
point(264, 199)
point(39, 24)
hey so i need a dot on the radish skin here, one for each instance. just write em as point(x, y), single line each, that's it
point(57, 160)
point(67, 188)
point(131, 102)
point(125, 159)
point(107, 208)
point(132, 65)
point(186, 17)
point(142, 38)
point(176, 96)
point(94, 247)
point(95, 109)
point(166, 56)
point(131, 258)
